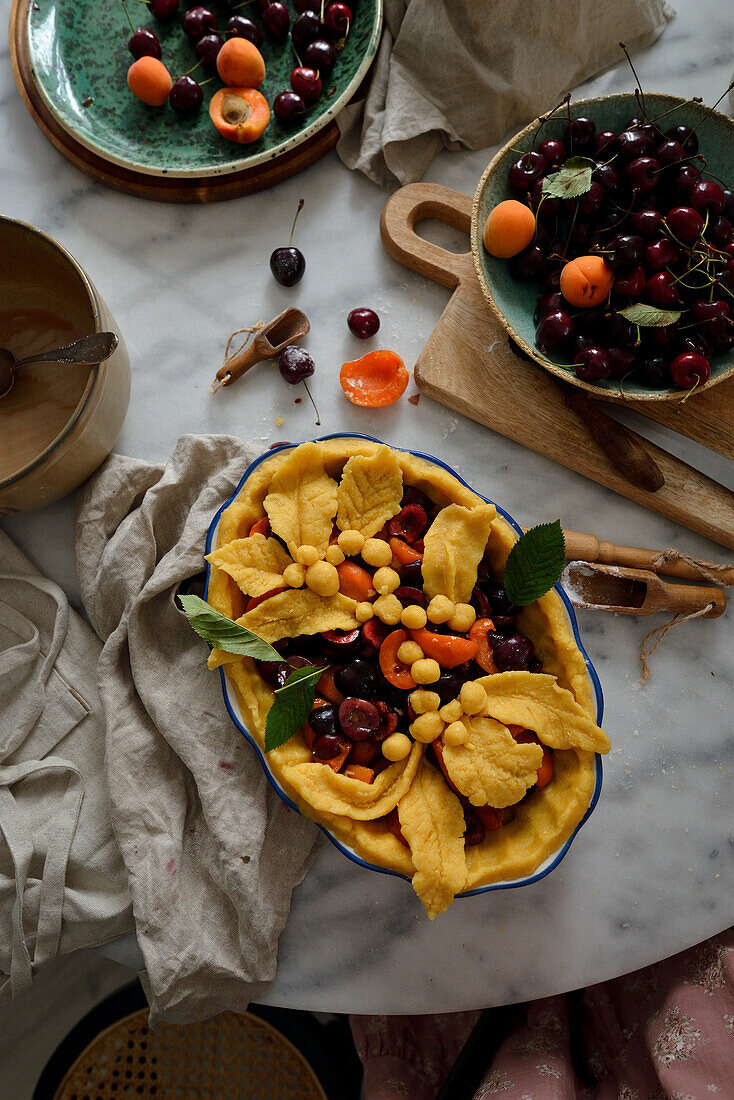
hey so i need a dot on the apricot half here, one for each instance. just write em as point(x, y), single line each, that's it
point(240, 114)
point(509, 228)
point(240, 64)
point(585, 281)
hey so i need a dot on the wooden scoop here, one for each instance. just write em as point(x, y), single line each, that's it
point(635, 591)
point(269, 341)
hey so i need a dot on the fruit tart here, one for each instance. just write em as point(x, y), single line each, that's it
point(451, 736)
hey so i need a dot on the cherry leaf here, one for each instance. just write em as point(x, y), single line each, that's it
point(572, 180)
point(649, 316)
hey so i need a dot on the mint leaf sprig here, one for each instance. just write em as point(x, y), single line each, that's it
point(535, 563)
point(293, 701)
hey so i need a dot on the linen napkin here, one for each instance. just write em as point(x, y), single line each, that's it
point(212, 853)
point(452, 73)
point(62, 881)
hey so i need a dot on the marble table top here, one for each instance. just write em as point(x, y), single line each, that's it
point(652, 872)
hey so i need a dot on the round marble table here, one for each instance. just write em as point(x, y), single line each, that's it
point(652, 872)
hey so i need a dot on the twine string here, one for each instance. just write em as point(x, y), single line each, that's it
point(708, 571)
point(250, 330)
point(648, 647)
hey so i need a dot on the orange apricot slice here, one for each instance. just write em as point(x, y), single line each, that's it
point(377, 379)
point(149, 80)
point(585, 281)
point(509, 228)
point(240, 64)
point(240, 114)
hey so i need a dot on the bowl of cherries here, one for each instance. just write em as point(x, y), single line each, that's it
point(603, 239)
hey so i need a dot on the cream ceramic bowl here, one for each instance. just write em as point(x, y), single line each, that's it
point(58, 422)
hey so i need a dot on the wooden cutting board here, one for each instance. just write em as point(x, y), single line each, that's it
point(467, 364)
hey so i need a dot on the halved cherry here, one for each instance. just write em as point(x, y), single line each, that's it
point(394, 671)
point(409, 595)
point(260, 527)
point(388, 722)
point(374, 632)
point(342, 642)
point(490, 817)
point(409, 524)
point(449, 650)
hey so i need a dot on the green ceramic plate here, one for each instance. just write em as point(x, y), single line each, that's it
point(78, 53)
point(514, 302)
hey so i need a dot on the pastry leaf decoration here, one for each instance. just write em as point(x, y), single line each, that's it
point(572, 180)
point(292, 706)
point(535, 563)
point(650, 317)
point(224, 633)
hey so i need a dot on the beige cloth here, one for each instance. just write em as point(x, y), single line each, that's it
point(452, 73)
point(211, 852)
point(62, 881)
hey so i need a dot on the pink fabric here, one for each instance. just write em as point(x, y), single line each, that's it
point(662, 1033)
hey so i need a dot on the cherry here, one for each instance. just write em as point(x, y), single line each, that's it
point(685, 179)
point(626, 252)
point(337, 20)
point(648, 222)
point(306, 83)
point(643, 174)
point(163, 10)
point(714, 314)
point(648, 128)
point(593, 199)
point(531, 263)
point(621, 361)
point(621, 331)
point(548, 303)
point(306, 28)
point(288, 107)
point(295, 364)
point(631, 144)
point(655, 372)
point(409, 524)
point(554, 151)
point(554, 328)
point(320, 55)
point(306, 5)
point(363, 322)
point(685, 136)
point(513, 652)
point(207, 50)
point(690, 369)
point(661, 290)
point(329, 745)
point(631, 283)
point(185, 96)
point(728, 203)
point(707, 195)
point(544, 206)
point(607, 177)
point(579, 134)
point(591, 364)
point(144, 43)
point(720, 230)
point(197, 22)
point(695, 344)
point(685, 223)
point(526, 170)
point(670, 152)
point(289, 264)
point(660, 253)
point(276, 21)
point(356, 678)
point(603, 141)
point(239, 26)
point(358, 718)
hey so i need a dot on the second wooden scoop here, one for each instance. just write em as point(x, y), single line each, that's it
point(269, 341)
point(636, 591)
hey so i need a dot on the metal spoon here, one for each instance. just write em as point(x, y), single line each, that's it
point(82, 353)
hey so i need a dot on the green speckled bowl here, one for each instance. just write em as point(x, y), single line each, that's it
point(514, 302)
point(78, 53)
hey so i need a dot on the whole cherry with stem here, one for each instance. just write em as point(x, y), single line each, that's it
point(288, 264)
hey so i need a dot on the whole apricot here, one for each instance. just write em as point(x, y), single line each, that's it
point(509, 229)
point(149, 80)
point(585, 281)
point(240, 64)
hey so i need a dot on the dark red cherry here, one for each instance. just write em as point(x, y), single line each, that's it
point(197, 22)
point(685, 179)
point(526, 170)
point(337, 20)
point(239, 26)
point(163, 10)
point(685, 136)
point(685, 223)
point(513, 653)
point(323, 721)
point(288, 265)
point(689, 370)
point(409, 524)
point(554, 151)
point(647, 222)
point(621, 361)
point(358, 678)
point(631, 144)
point(579, 134)
point(288, 107)
point(645, 127)
point(358, 718)
point(306, 28)
point(531, 263)
point(341, 642)
point(593, 199)
point(713, 316)
point(655, 372)
point(707, 195)
point(548, 303)
point(185, 96)
point(607, 177)
point(643, 174)
point(603, 142)
point(669, 152)
point(474, 831)
point(295, 364)
point(320, 55)
point(720, 230)
point(660, 253)
point(306, 83)
point(554, 329)
point(625, 252)
point(662, 291)
point(207, 50)
point(590, 364)
point(276, 21)
point(329, 745)
point(631, 284)
point(363, 323)
point(144, 43)
point(544, 206)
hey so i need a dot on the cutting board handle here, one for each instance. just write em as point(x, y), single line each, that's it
point(414, 203)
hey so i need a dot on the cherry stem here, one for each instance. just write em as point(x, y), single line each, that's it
point(713, 108)
point(318, 418)
point(672, 110)
point(295, 51)
point(192, 69)
point(693, 389)
point(127, 16)
point(548, 117)
point(641, 99)
point(298, 211)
